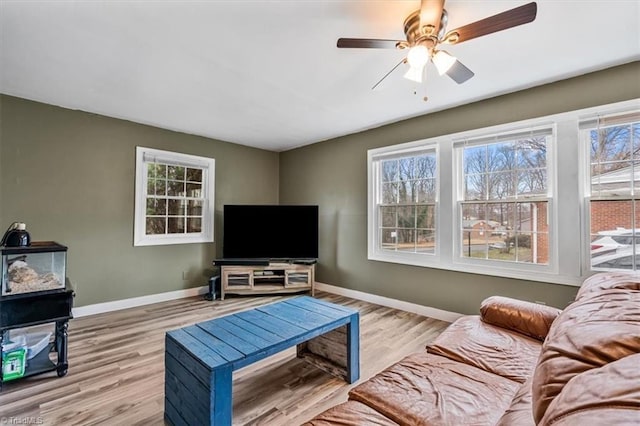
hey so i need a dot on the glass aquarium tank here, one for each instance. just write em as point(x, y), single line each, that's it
point(38, 267)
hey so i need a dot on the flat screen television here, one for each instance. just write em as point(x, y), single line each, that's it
point(270, 232)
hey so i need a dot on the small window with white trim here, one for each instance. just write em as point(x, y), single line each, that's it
point(613, 190)
point(174, 198)
point(503, 198)
point(405, 202)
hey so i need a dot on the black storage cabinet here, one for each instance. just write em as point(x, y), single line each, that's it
point(35, 308)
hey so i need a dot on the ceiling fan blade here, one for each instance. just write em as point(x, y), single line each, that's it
point(430, 14)
point(502, 21)
point(459, 73)
point(389, 73)
point(367, 43)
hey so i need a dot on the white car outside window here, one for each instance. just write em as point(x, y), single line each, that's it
point(611, 241)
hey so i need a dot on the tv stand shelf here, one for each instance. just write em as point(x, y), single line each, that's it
point(275, 277)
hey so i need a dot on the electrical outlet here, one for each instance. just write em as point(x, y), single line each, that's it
point(185, 275)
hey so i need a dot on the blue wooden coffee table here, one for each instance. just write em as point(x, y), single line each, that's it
point(200, 359)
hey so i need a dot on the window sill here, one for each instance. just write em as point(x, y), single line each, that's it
point(170, 239)
point(541, 274)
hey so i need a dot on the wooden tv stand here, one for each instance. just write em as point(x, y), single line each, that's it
point(266, 279)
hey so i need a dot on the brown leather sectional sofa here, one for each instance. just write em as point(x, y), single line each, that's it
point(517, 363)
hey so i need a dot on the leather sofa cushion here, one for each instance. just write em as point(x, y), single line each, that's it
point(350, 413)
point(530, 319)
point(614, 416)
point(592, 395)
point(519, 411)
point(499, 351)
point(597, 329)
point(608, 281)
point(427, 389)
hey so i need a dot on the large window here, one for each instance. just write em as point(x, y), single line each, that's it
point(504, 197)
point(174, 198)
point(613, 196)
point(548, 199)
point(405, 202)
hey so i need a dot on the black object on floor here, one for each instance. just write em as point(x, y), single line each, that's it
point(214, 288)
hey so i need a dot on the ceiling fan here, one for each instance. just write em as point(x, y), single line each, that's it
point(426, 30)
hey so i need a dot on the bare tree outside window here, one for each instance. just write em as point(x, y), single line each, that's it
point(504, 206)
point(407, 203)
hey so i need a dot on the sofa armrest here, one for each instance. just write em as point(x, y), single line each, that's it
point(530, 319)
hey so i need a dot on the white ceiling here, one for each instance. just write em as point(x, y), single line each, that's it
point(268, 73)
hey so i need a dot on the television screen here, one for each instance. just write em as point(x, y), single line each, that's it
point(270, 232)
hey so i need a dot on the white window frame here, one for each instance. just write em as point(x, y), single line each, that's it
point(375, 251)
point(567, 165)
point(524, 270)
point(586, 122)
point(143, 156)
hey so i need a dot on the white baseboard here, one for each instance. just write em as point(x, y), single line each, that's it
point(117, 305)
point(391, 303)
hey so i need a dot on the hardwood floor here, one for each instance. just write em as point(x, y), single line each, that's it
point(116, 367)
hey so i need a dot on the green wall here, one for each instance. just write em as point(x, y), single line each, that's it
point(69, 176)
point(333, 174)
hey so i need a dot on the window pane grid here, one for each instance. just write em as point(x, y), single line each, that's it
point(513, 232)
point(174, 199)
point(174, 196)
point(505, 170)
point(614, 173)
point(406, 203)
point(408, 240)
point(504, 200)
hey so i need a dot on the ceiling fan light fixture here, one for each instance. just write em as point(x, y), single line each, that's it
point(443, 61)
point(418, 56)
point(415, 74)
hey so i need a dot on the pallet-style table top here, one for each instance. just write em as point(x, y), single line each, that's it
point(243, 338)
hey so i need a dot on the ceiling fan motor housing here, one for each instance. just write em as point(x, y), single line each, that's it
point(425, 34)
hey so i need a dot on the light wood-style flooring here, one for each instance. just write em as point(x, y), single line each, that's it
point(116, 367)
